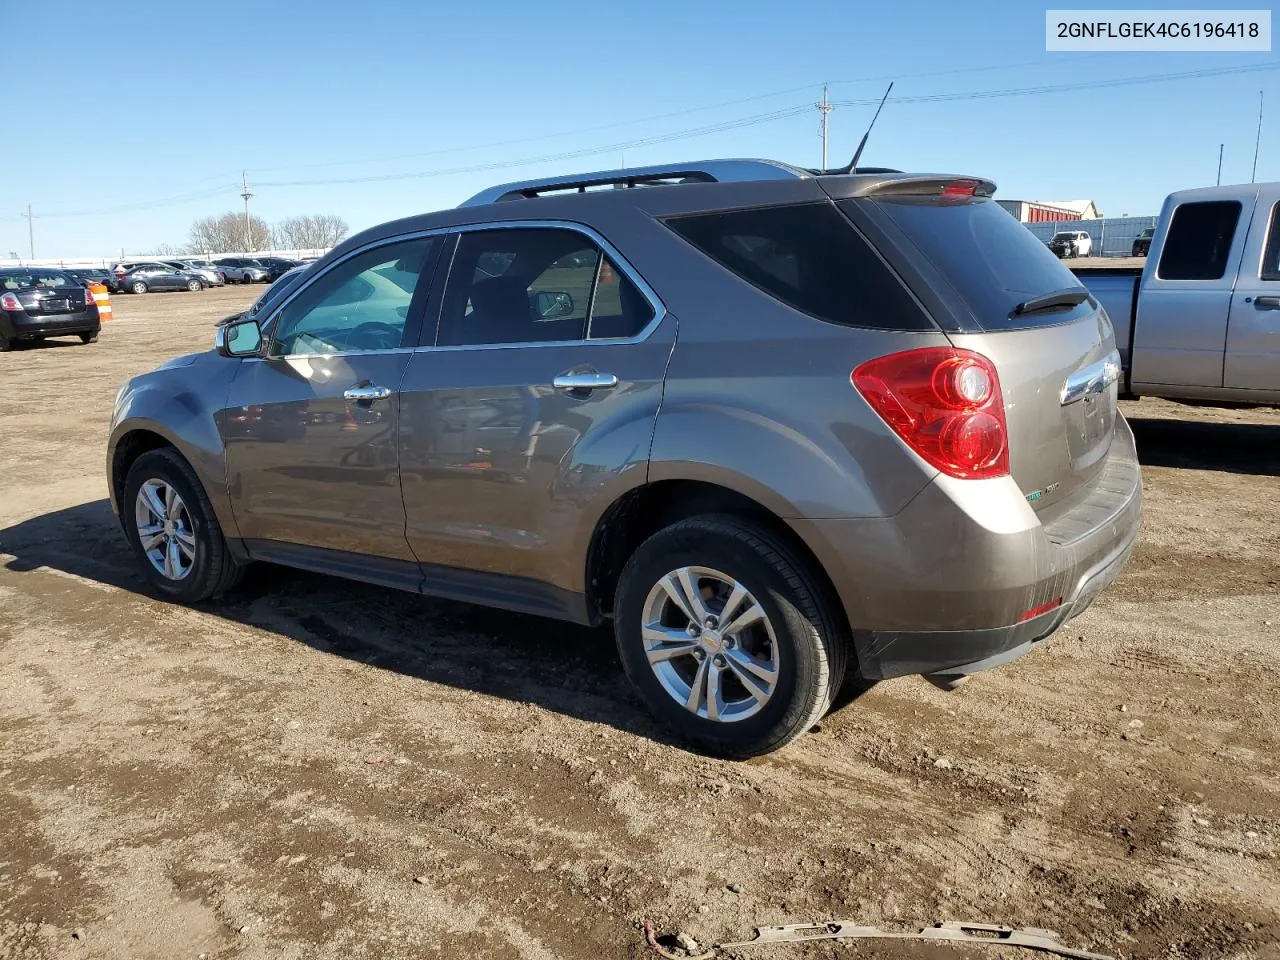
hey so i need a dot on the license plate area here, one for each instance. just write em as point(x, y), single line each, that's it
point(62, 305)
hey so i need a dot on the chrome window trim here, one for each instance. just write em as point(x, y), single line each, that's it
point(268, 322)
point(620, 262)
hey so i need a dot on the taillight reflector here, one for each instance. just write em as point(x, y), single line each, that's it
point(9, 301)
point(946, 406)
point(1043, 608)
point(960, 188)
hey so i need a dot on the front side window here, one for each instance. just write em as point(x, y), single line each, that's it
point(1271, 256)
point(1199, 240)
point(536, 285)
point(355, 306)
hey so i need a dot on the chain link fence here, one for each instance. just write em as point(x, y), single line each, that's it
point(1112, 236)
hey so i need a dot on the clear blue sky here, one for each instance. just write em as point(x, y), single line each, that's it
point(174, 101)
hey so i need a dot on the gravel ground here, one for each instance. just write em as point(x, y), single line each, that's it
point(316, 768)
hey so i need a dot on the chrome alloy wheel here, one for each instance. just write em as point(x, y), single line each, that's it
point(710, 644)
point(164, 529)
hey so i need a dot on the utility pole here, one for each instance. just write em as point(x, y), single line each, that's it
point(1220, 164)
point(31, 231)
point(248, 230)
point(824, 108)
point(1258, 142)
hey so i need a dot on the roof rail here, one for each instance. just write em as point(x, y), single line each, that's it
point(702, 171)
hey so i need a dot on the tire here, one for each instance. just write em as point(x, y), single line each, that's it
point(195, 286)
point(800, 639)
point(5, 344)
point(138, 287)
point(211, 571)
point(88, 338)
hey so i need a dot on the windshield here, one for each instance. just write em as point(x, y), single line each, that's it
point(993, 261)
point(1064, 235)
point(36, 279)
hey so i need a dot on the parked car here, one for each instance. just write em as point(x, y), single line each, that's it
point(268, 296)
point(1071, 243)
point(146, 277)
point(206, 271)
point(40, 302)
point(277, 267)
point(88, 275)
point(1142, 242)
point(243, 270)
point(1200, 320)
point(865, 446)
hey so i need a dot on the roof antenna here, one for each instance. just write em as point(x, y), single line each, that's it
point(853, 164)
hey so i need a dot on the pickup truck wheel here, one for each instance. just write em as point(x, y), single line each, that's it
point(726, 638)
point(170, 524)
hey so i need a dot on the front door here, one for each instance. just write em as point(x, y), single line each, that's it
point(539, 395)
point(310, 429)
point(1253, 329)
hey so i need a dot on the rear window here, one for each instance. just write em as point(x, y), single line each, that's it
point(34, 279)
point(1199, 241)
point(992, 260)
point(811, 258)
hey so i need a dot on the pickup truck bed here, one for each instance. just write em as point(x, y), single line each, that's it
point(1117, 290)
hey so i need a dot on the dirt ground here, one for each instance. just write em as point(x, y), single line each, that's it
point(316, 768)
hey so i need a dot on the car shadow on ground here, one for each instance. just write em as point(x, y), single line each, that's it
point(563, 667)
point(1244, 448)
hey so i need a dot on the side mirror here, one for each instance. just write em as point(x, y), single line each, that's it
point(552, 305)
point(242, 339)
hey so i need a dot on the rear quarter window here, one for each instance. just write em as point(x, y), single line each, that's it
point(810, 257)
point(1199, 240)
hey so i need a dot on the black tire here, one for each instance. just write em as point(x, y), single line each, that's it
point(138, 287)
point(5, 344)
point(811, 649)
point(88, 338)
point(214, 570)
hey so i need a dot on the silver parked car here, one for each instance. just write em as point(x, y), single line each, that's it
point(243, 270)
point(779, 426)
point(206, 270)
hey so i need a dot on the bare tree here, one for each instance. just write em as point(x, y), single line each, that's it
point(225, 234)
point(310, 232)
point(165, 250)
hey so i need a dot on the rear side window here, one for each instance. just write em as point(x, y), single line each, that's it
point(811, 258)
point(993, 261)
point(1199, 241)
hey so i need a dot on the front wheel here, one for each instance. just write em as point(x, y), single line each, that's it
point(173, 530)
point(726, 637)
point(194, 286)
point(88, 338)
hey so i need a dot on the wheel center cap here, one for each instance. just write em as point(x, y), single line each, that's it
point(168, 528)
point(712, 640)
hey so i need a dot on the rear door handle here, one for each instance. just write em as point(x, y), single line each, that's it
point(1266, 303)
point(585, 381)
point(366, 393)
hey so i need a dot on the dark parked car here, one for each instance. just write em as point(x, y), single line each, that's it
point(865, 445)
point(1142, 242)
point(146, 277)
point(93, 275)
point(39, 302)
point(277, 267)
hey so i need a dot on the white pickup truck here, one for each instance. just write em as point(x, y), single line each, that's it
point(1201, 321)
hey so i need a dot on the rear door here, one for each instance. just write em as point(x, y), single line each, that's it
point(983, 274)
point(310, 429)
point(1180, 331)
point(538, 393)
point(1253, 328)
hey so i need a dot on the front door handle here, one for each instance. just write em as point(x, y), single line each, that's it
point(585, 381)
point(366, 393)
point(1266, 303)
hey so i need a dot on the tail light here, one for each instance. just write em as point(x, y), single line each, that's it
point(9, 301)
point(946, 406)
point(960, 188)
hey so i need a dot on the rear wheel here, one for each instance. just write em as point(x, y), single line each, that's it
point(5, 344)
point(88, 338)
point(138, 287)
point(171, 526)
point(726, 637)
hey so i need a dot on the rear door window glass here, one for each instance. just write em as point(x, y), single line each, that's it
point(1271, 256)
point(1199, 240)
point(810, 257)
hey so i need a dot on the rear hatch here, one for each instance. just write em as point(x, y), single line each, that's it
point(1000, 292)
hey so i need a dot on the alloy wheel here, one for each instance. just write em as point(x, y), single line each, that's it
point(164, 529)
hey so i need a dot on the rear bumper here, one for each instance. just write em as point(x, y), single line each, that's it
point(18, 326)
point(941, 587)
